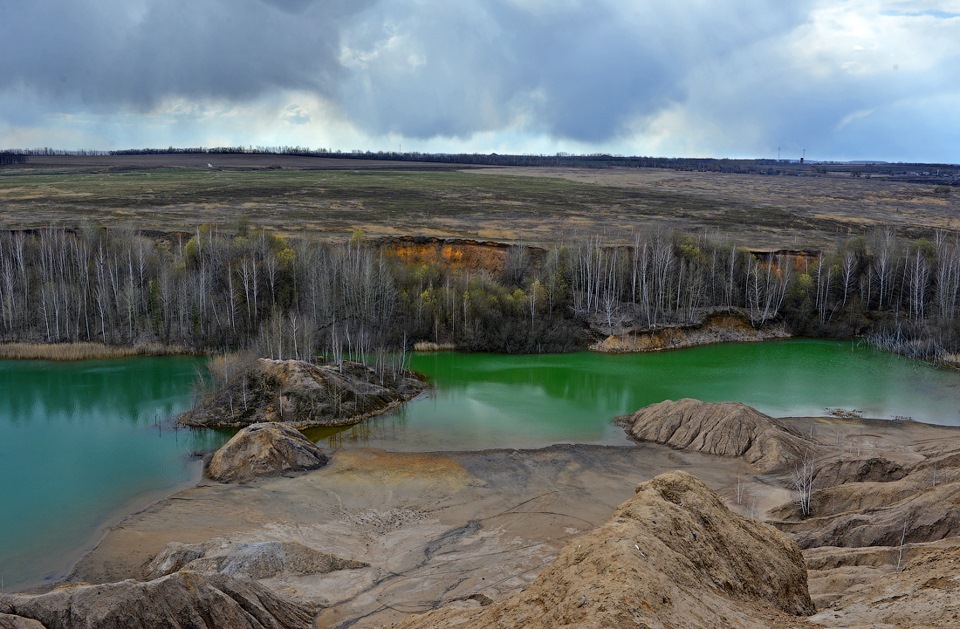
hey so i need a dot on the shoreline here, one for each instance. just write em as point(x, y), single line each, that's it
point(117, 516)
point(720, 326)
point(395, 469)
point(640, 341)
point(865, 433)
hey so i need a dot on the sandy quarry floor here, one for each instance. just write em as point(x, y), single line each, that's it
point(442, 527)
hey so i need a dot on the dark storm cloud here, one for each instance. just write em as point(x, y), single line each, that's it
point(137, 52)
point(420, 69)
point(575, 69)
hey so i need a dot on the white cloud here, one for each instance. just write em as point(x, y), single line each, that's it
point(854, 116)
point(862, 39)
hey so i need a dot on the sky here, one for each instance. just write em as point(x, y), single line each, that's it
point(827, 79)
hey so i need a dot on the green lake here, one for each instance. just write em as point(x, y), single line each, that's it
point(83, 444)
point(495, 401)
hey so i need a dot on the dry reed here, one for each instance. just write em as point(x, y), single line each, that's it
point(428, 346)
point(84, 351)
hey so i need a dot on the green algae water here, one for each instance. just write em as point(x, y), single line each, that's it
point(81, 445)
point(495, 401)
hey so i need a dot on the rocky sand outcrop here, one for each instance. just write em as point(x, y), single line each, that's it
point(911, 509)
point(673, 555)
point(302, 394)
point(925, 593)
point(183, 599)
point(726, 429)
point(873, 469)
point(264, 449)
point(9, 621)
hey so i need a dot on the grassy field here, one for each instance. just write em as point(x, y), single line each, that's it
point(331, 198)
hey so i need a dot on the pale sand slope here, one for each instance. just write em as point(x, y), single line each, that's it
point(433, 527)
point(474, 527)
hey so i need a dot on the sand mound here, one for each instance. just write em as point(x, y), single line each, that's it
point(264, 449)
point(725, 429)
point(182, 599)
point(937, 469)
point(251, 560)
point(673, 555)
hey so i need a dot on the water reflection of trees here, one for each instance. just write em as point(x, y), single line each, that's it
point(141, 391)
point(795, 376)
point(572, 379)
point(388, 427)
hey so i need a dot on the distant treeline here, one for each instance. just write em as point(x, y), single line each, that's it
point(918, 172)
point(213, 290)
point(7, 157)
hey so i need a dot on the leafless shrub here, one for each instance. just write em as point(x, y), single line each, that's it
point(803, 475)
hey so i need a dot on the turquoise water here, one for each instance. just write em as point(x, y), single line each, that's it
point(82, 444)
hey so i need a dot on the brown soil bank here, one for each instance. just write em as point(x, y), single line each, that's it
point(717, 327)
point(301, 394)
point(919, 507)
point(858, 496)
point(459, 254)
point(882, 540)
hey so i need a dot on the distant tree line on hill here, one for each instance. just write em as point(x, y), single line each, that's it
point(7, 158)
point(910, 172)
point(51, 152)
point(216, 290)
point(595, 160)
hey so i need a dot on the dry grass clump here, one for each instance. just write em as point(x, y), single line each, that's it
point(84, 351)
point(429, 346)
